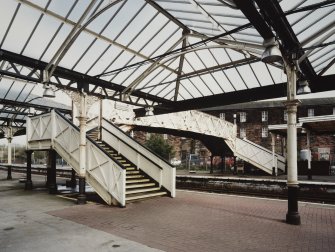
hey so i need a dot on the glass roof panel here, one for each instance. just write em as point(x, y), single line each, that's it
point(127, 38)
point(248, 76)
point(61, 7)
point(15, 41)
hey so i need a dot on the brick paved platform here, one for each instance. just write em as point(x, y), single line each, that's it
point(210, 222)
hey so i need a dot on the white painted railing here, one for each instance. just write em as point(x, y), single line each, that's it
point(258, 155)
point(193, 121)
point(154, 166)
point(53, 131)
point(199, 122)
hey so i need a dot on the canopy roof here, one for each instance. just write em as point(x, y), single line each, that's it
point(172, 54)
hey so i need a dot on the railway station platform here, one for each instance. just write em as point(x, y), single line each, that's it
point(193, 221)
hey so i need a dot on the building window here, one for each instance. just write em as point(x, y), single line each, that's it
point(165, 136)
point(264, 116)
point(243, 116)
point(265, 132)
point(310, 112)
point(222, 116)
point(285, 115)
point(243, 133)
point(147, 136)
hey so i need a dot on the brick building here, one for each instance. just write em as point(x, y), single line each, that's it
point(253, 120)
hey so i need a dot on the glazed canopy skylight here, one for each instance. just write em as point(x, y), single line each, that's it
point(172, 54)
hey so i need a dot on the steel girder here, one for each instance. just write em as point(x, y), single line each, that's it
point(270, 9)
point(320, 84)
point(31, 105)
point(69, 79)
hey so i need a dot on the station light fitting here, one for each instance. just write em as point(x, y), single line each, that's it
point(303, 87)
point(272, 52)
point(149, 111)
point(48, 91)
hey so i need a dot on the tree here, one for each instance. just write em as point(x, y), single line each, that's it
point(158, 145)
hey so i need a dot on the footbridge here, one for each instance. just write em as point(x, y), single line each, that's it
point(218, 135)
point(118, 168)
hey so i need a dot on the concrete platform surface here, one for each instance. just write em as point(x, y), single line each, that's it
point(193, 221)
point(26, 225)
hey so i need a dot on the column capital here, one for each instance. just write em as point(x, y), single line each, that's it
point(290, 103)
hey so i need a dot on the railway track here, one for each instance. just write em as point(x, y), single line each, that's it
point(319, 198)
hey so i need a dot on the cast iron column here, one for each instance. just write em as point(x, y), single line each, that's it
point(52, 182)
point(82, 149)
point(235, 166)
point(274, 166)
point(73, 178)
point(292, 216)
point(9, 153)
point(309, 171)
point(49, 173)
point(29, 183)
point(211, 170)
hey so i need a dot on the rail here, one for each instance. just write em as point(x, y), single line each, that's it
point(153, 165)
point(103, 173)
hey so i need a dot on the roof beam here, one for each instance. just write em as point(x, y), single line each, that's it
point(283, 29)
point(249, 10)
point(69, 75)
point(168, 15)
point(320, 84)
point(31, 105)
point(220, 67)
point(247, 95)
point(180, 67)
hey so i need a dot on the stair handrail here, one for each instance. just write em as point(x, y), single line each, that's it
point(90, 139)
point(112, 187)
point(268, 160)
point(143, 146)
point(160, 169)
point(280, 157)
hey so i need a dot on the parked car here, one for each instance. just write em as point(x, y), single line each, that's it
point(175, 162)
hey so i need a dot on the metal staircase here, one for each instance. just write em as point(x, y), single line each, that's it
point(138, 184)
point(119, 174)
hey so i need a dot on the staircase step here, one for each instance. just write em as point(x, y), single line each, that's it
point(140, 185)
point(130, 168)
point(132, 172)
point(143, 190)
point(133, 181)
point(134, 176)
point(147, 195)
